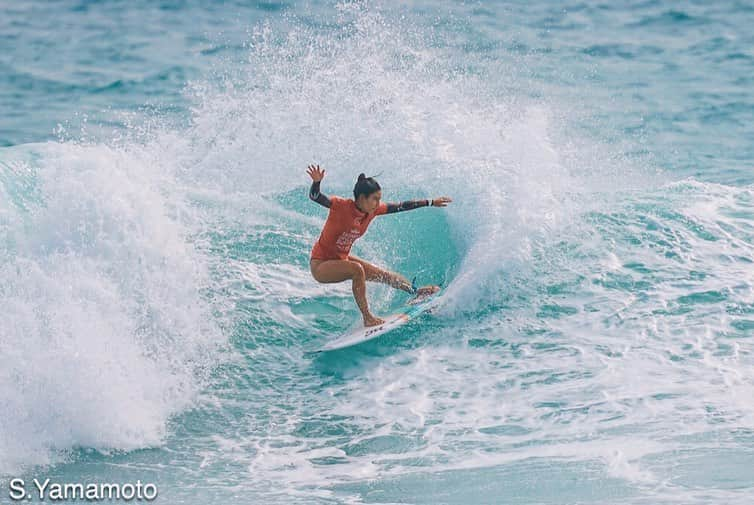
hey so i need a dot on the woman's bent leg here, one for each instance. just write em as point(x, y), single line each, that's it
point(377, 274)
point(329, 271)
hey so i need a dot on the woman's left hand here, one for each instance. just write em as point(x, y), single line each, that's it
point(442, 201)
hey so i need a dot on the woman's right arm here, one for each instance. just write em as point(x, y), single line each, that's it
point(317, 196)
point(317, 174)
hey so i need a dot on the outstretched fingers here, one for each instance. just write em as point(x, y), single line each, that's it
point(315, 172)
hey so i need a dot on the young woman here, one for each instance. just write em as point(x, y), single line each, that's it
point(348, 220)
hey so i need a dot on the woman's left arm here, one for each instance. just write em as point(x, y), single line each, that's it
point(415, 204)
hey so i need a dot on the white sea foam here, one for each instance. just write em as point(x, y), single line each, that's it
point(104, 330)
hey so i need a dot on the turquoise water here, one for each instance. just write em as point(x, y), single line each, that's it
point(594, 342)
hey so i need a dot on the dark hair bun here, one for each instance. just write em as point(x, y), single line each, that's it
point(365, 186)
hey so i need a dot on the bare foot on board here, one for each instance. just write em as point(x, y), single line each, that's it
point(373, 321)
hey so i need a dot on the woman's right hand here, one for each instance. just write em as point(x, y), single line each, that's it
point(316, 173)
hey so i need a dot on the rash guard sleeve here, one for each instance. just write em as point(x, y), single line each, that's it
point(316, 196)
point(405, 205)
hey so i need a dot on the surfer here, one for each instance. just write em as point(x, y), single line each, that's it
point(348, 219)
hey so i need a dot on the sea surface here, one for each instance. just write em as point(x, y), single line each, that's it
point(595, 340)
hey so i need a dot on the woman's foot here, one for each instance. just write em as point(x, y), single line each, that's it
point(423, 293)
point(427, 290)
point(371, 320)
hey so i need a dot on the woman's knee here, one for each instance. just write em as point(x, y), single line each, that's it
point(357, 271)
point(371, 272)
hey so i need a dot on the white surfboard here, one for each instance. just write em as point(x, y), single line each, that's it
point(364, 334)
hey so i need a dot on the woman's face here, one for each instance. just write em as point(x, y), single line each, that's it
point(369, 203)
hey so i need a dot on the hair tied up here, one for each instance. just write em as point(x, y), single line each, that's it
point(365, 186)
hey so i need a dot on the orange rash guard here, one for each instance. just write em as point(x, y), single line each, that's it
point(345, 223)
